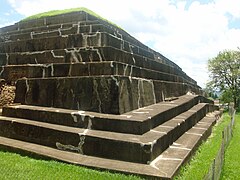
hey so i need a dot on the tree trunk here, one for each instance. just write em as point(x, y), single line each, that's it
point(235, 101)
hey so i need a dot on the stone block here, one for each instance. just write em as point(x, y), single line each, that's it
point(109, 94)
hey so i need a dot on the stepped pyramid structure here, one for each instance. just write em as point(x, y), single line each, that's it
point(89, 93)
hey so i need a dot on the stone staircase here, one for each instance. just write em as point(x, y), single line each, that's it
point(90, 94)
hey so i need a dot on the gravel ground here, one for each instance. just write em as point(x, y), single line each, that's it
point(7, 94)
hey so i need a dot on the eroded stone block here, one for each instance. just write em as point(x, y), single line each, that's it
point(105, 94)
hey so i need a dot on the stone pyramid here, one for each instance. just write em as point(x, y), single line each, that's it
point(89, 93)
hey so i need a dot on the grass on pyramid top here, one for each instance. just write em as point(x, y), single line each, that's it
point(65, 11)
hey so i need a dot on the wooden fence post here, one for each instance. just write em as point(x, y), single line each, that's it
point(213, 169)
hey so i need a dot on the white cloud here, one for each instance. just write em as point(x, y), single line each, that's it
point(189, 37)
point(6, 24)
point(232, 7)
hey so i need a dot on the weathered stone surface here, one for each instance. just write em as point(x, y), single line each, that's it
point(135, 148)
point(139, 121)
point(110, 94)
point(61, 42)
point(93, 54)
point(6, 36)
point(12, 73)
point(70, 17)
point(60, 30)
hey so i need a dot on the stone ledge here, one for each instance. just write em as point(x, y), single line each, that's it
point(12, 73)
point(135, 122)
point(93, 54)
point(133, 148)
point(108, 94)
point(161, 167)
point(48, 28)
point(105, 94)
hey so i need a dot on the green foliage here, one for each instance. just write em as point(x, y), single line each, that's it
point(231, 167)
point(58, 12)
point(15, 166)
point(225, 74)
point(226, 96)
point(200, 163)
point(211, 92)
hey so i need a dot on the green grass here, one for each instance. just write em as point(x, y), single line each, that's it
point(58, 12)
point(200, 163)
point(15, 166)
point(231, 167)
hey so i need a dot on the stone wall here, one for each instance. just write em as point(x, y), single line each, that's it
point(78, 61)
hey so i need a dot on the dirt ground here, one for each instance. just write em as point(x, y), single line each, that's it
point(7, 94)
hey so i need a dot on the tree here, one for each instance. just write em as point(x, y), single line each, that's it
point(211, 92)
point(226, 97)
point(225, 74)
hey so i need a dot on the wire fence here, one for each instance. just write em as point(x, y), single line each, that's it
point(215, 168)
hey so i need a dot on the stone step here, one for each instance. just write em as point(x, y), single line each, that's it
point(36, 150)
point(163, 167)
point(71, 30)
point(12, 73)
point(126, 147)
point(35, 23)
point(93, 54)
point(135, 122)
point(46, 28)
point(120, 32)
point(99, 39)
point(105, 94)
point(157, 140)
point(75, 29)
point(77, 18)
point(179, 153)
point(61, 42)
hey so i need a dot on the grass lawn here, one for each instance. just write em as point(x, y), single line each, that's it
point(231, 167)
point(200, 163)
point(15, 166)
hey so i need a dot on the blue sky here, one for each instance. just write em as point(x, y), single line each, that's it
point(188, 32)
point(8, 14)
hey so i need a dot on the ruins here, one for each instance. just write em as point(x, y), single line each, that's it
point(89, 93)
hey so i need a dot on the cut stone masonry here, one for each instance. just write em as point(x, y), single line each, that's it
point(89, 93)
